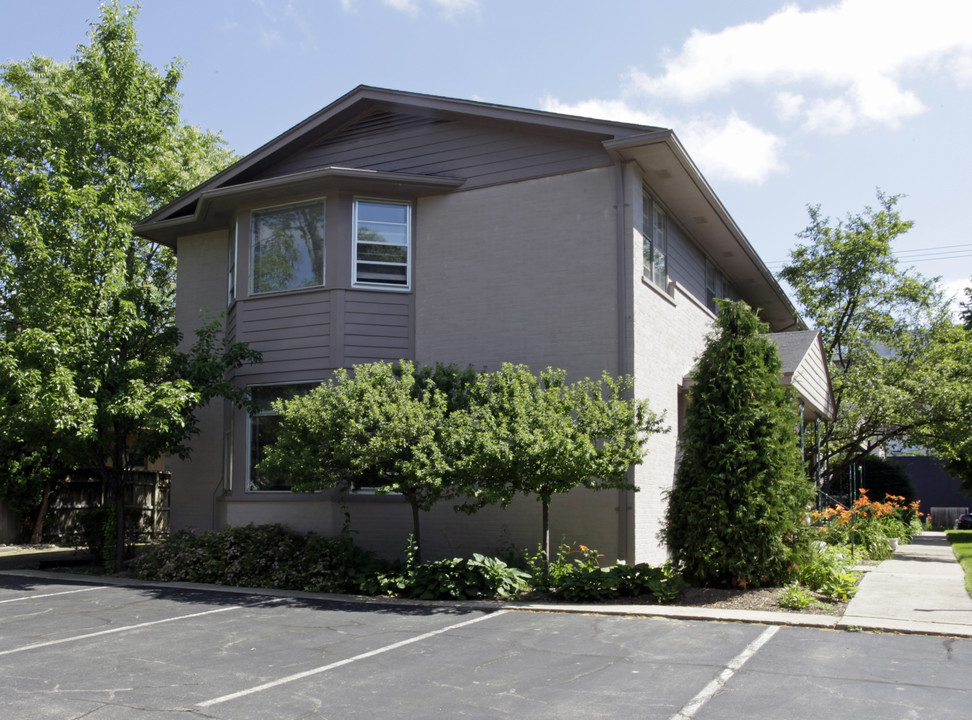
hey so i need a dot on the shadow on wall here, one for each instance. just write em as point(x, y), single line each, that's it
point(934, 488)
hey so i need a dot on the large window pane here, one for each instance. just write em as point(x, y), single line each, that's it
point(382, 232)
point(287, 248)
point(264, 430)
point(654, 236)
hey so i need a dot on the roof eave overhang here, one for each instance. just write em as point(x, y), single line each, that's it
point(676, 181)
point(214, 207)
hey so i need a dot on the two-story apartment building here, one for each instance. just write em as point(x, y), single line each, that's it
point(395, 225)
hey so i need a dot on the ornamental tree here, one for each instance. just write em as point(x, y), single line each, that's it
point(88, 345)
point(376, 427)
point(740, 494)
point(540, 436)
point(898, 364)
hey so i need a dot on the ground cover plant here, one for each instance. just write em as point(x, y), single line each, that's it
point(273, 556)
point(962, 547)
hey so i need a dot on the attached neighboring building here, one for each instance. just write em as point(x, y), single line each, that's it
point(394, 225)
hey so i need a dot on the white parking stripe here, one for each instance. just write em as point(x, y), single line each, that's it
point(136, 627)
point(45, 595)
point(339, 663)
point(716, 685)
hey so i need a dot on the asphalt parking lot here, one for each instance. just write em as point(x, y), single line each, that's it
point(70, 649)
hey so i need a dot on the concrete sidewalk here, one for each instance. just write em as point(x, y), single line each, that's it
point(920, 590)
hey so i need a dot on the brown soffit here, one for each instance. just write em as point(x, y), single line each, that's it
point(215, 206)
point(674, 178)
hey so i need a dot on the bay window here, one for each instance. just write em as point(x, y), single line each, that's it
point(287, 247)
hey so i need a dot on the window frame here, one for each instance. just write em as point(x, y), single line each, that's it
point(251, 416)
point(355, 262)
point(232, 262)
point(254, 212)
point(654, 234)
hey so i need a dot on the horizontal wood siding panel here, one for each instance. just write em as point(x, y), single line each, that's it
point(376, 341)
point(291, 330)
point(231, 324)
point(357, 355)
point(482, 153)
point(378, 305)
point(686, 263)
point(377, 329)
point(295, 371)
point(360, 318)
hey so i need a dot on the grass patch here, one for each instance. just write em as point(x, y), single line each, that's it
point(962, 547)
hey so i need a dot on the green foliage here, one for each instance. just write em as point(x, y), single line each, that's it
point(89, 373)
point(961, 541)
point(899, 367)
point(575, 574)
point(370, 428)
point(433, 434)
point(540, 436)
point(870, 526)
point(829, 571)
point(795, 597)
point(735, 514)
point(268, 556)
point(449, 579)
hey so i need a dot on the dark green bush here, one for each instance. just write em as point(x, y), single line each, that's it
point(735, 512)
point(257, 556)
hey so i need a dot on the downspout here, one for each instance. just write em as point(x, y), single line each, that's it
point(625, 364)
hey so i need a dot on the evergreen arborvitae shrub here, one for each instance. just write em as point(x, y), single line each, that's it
point(736, 511)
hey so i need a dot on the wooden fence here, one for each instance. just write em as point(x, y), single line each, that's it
point(146, 506)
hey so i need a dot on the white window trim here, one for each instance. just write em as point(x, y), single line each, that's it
point(354, 246)
point(648, 223)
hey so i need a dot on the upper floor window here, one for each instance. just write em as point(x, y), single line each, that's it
point(382, 239)
point(654, 240)
point(287, 247)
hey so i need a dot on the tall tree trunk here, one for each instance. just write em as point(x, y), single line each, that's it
point(37, 535)
point(545, 524)
point(416, 528)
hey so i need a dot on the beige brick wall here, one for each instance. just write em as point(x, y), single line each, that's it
point(522, 273)
point(669, 335)
point(525, 273)
point(201, 295)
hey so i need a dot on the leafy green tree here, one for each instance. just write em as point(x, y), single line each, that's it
point(740, 493)
point(540, 436)
point(895, 357)
point(372, 428)
point(88, 344)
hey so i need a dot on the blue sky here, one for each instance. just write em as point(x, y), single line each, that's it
point(780, 104)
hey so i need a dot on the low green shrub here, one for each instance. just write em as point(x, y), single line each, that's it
point(449, 579)
point(795, 597)
point(257, 556)
point(829, 571)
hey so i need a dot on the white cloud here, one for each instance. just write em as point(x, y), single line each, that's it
point(724, 148)
point(449, 8)
point(733, 149)
point(452, 8)
point(855, 55)
point(406, 6)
